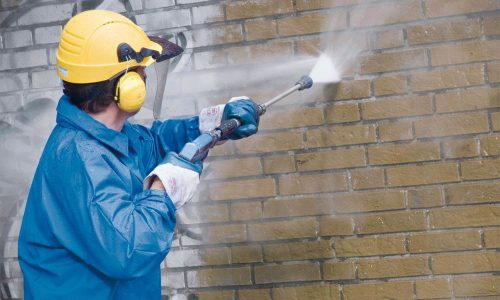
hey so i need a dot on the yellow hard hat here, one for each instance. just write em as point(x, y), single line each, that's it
point(97, 45)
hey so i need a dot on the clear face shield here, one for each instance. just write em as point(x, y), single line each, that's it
point(156, 81)
point(156, 73)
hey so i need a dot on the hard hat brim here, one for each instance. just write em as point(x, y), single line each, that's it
point(169, 49)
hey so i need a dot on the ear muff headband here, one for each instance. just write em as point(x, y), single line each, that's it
point(130, 92)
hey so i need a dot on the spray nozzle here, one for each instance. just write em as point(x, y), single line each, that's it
point(305, 82)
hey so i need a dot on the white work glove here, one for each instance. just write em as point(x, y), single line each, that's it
point(211, 117)
point(179, 177)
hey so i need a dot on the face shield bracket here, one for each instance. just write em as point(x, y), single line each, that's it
point(126, 52)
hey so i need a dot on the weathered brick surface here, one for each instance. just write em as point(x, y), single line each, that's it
point(449, 78)
point(444, 31)
point(426, 174)
point(219, 277)
point(384, 290)
point(388, 85)
point(298, 251)
point(397, 107)
point(439, 8)
point(396, 131)
point(431, 289)
point(476, 286)
point(390, 222)
point(398, 154)
point(444, 241)
point(466, 263)
point(334, 270)
point(465, 53)
point(300, 228)
point(382, 186)
point(395, 267)
point(449, 125)
point(465, 217)
point(370, 246)
point(341, 135)
point(393, 61)
point(287, 273)
point(320, 292)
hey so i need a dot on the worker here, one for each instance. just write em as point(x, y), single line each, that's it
point(100, 215)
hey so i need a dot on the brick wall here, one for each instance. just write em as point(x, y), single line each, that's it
point(384, 186)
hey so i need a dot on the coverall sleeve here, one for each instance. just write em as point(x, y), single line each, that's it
point(123, 235)
point(162, 137)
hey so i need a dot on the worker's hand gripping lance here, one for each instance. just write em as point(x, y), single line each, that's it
point(198, 149)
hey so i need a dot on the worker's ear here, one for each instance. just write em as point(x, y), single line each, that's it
point(130, 92)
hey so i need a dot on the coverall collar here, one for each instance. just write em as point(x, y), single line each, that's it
point(68, 115)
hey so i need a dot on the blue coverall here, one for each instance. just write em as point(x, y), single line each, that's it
point(90, 231)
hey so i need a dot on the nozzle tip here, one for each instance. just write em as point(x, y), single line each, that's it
point(305, 82)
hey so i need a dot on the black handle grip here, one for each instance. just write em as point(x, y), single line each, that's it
point(228, 127)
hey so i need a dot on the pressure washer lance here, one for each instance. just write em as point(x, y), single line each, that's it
point(198, 149)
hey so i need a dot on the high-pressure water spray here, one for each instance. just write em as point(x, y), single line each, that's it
point(198, 149)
